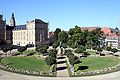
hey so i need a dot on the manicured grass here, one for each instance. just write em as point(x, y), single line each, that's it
point(95, 63)
point(27, 63)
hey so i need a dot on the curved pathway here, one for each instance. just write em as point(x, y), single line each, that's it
point(4, 75)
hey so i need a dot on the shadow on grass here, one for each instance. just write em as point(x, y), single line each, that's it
point(82, 68)
point(9, 64)
point(61, 68)
point(78, 61)
point(61, 57)
point(60, 62)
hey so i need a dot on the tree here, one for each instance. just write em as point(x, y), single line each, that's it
point(73, 60)
point(64, 45)
point(114, 50)
point(50, 61)
point(53, 53)
point(63, 37)
point(57, 31)
point(56, 44)
point(74, 30)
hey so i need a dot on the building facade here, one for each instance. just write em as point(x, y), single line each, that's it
point(33, 33)
point(2, 29)
point(6, 30)
point(110, 38)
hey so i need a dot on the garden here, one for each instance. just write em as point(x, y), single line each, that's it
point(81, 48)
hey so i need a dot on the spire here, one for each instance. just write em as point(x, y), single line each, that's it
point(12, 20)
point(12, 14)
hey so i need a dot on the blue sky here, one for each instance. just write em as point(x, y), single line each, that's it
point(64, 14)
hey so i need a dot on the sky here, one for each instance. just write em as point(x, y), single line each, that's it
point(64, 14)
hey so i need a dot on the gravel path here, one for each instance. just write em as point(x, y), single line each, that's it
point(62, 67)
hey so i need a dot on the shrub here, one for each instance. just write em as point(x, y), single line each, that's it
point(5, 49)
point(21, 49)
point(114, 50)
point(99, 49)
point(42, 48)
point(80, 49)
point(108, 48)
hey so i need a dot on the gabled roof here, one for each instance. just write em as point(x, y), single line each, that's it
point(89, 28)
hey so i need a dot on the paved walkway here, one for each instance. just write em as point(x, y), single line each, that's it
point(62, 67)
point(4, 75)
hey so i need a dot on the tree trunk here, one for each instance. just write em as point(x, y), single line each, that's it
point(51, 70)
point(72, 69)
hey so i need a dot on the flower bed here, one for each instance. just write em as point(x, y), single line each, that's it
point(101, 71)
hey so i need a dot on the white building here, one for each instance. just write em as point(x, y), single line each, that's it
point(33, 33)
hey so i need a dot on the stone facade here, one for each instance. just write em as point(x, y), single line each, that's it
point(33, 33)
point(2, 28)
point(5, 32)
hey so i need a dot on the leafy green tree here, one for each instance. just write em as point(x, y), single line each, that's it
point(50, 61)
point(57, 31)
point(56, 44)
point(73, 60)
point(63, 37)
point(70, 42)
point(53, 53)
point(64, 45)
point(74, 30)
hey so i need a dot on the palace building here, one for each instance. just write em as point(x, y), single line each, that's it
point(33, 33)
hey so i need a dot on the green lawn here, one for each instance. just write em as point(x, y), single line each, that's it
point(95, 63)
point(29, 63)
